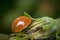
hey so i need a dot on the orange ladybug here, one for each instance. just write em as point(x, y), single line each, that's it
point(20, 23)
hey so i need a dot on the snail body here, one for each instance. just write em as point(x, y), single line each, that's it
point(40, 28)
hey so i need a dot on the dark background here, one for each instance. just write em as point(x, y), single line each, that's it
point(10, 9)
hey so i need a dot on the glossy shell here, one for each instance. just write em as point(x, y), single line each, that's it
point(20, 23)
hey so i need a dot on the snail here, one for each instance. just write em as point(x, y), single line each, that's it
point(28, 28)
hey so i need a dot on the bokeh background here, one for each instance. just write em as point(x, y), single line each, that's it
point(10, 9)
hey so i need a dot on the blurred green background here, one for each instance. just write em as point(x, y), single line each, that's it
point(10, 9)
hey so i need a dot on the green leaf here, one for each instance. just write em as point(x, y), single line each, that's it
point(26, 14)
